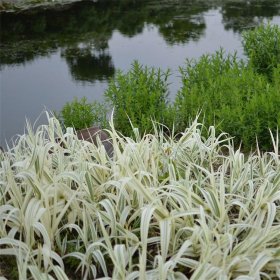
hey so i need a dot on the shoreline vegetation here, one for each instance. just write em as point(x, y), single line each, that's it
point(241, 98)
point(183, 206)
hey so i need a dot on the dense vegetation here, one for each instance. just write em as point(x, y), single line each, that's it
point(232, 96)
point(184, 207)
point(263, 48)
point(240, 98)
point(166, 205)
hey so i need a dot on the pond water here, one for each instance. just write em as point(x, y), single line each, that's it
point(47, 57)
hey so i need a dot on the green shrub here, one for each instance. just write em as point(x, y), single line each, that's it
point(139, 95)
point(232, 96)
point(262, 46)
point(81, 114)
point(276, 76)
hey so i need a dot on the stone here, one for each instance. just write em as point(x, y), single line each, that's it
point(90, 134)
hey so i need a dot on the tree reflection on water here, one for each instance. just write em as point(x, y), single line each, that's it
point(82, 30)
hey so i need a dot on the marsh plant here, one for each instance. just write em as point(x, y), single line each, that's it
point(178, 207)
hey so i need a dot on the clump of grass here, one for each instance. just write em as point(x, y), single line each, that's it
point(178, 207)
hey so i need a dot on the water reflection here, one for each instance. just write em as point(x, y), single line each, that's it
point(180, 31)
point(28, 35)
point(87, 65)
point(239, 14)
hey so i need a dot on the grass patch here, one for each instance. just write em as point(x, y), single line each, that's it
point(182, 207)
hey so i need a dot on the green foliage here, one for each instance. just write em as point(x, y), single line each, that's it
point(262, 46)
point(139, 95)
point(81, 114)
point(227, 92)
point(231, 95)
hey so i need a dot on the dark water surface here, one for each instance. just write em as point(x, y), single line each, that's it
point(49, 56)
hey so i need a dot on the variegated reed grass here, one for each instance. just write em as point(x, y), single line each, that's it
point(179, 207)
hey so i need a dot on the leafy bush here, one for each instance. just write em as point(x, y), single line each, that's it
point(139, 95)
point(262, 46)
point(161, 208)
point(231, 95)
point(82, 114)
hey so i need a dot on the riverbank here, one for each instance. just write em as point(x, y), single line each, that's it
point(10, 6)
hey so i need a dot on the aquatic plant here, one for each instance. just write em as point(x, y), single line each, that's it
point(184, 207)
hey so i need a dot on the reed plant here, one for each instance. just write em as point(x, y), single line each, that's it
point(178, 207)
